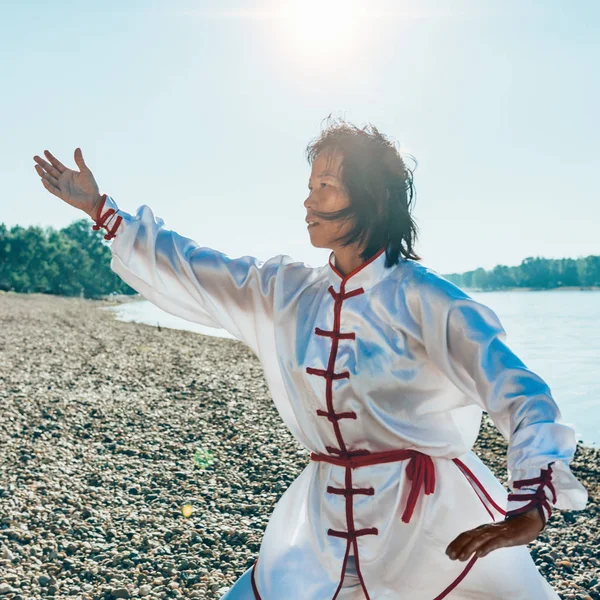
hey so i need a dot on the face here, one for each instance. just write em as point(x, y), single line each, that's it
point(326, 194)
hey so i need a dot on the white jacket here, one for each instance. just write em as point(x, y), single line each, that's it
point(382, 359)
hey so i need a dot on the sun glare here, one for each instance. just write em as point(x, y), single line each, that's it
point(320, 27)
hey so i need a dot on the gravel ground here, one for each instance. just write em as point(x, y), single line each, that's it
point(109, 429)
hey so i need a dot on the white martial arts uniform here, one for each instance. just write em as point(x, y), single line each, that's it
point(395, 360)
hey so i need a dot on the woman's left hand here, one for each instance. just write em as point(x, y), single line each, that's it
point(515, 531)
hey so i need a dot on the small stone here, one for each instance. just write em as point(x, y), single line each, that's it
point(43, 580)
point(6, 589)
point(565, 563)
point(7, 554)
point(120, 593)
point(145, 590)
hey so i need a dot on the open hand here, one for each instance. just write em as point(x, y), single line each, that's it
point(77, 188)
point(515, 531)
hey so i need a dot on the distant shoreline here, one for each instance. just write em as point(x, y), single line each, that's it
point(565, 288)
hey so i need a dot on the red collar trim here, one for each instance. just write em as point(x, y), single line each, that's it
point(358, 269)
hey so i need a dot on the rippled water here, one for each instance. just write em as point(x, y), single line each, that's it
point(556, 334)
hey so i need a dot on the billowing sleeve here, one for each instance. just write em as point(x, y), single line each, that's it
point(189, 281)
point(468, 343)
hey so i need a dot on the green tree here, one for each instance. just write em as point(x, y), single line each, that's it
point(480, 278)
point(72, 261)
point(567, 274)
point(535, 272)
point(501, 278)
point(588, 269)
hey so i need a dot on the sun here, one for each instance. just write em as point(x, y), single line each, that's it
point(320, 28)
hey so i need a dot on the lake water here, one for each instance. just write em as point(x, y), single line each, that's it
point(556, 334)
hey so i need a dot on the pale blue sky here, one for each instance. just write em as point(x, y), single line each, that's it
point(204, 114)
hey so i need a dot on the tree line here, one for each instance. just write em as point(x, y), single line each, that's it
point(533, 272)
point(75, 261)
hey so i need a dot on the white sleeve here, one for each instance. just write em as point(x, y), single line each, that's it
point(467, 342)
point(193, 282)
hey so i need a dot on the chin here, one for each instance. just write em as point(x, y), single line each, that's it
point(318, 244)
point(322, 239)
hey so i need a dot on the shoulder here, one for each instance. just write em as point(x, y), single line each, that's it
point(436, 300)
point(284, 265)
point(427, 298)
point(293, 276)
point(294, 269)
point(418, 282)
point(426, 280)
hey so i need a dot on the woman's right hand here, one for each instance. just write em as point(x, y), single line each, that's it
point(77, 188)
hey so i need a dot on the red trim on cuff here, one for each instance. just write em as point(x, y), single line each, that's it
point(102, 219)
point(538, 499)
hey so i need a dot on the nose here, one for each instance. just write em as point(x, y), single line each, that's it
point(309, 201)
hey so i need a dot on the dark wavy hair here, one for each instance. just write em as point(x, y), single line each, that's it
point(380, 188)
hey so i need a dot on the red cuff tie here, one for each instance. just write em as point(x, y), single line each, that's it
point(101, 221)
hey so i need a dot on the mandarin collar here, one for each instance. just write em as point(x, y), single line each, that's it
point(364, 276)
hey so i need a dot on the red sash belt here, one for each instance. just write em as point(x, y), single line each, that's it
point(420, 470)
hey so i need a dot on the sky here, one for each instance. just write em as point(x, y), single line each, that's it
point(203, 111)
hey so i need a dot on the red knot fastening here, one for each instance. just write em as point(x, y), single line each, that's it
point(538, 499)
point(102, 219)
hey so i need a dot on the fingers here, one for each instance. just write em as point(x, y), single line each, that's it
point(49, 168)
point(469, 541)
point(490, 545)
point(46, 176)
point(474, 544)
point(454, 549)
point(518, 530)
point(55, 161)
point(79, 160)
point(51, 188)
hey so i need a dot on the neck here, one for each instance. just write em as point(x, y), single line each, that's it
point(347, 259)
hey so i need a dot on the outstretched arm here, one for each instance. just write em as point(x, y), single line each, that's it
point(190, 281)
point(467, 342)
point(175, 273)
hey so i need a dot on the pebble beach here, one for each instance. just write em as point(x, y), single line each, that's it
point(144, 462)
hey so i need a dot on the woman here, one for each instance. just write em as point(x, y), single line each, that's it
point(382, 369)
